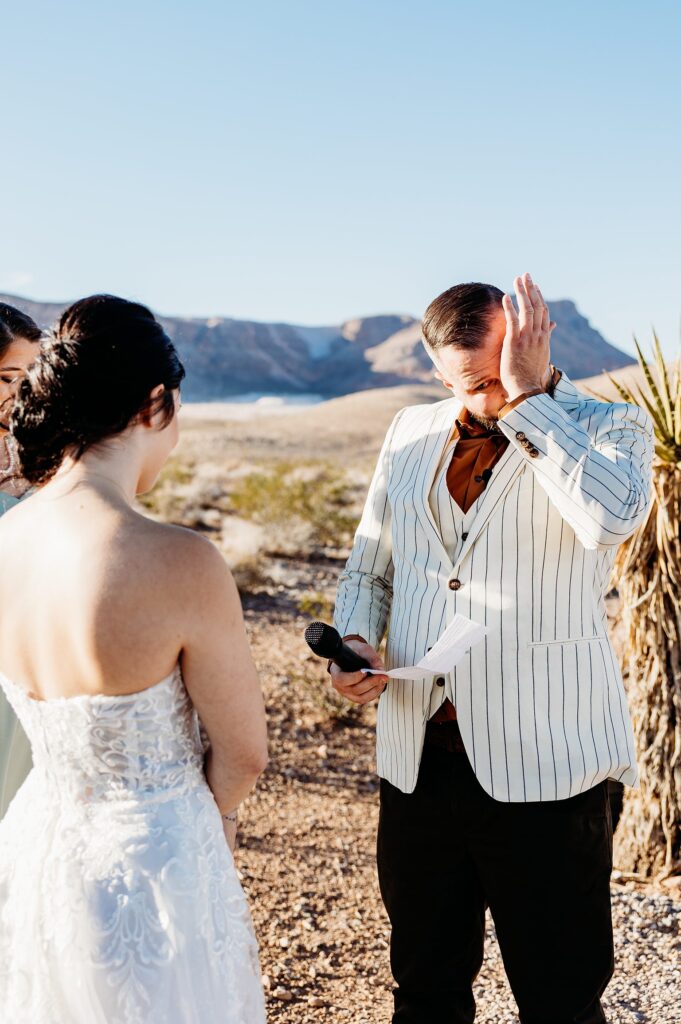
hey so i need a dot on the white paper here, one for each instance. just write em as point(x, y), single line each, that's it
point(457, 639)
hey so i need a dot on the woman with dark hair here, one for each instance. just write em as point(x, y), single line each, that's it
point(123, 652)
point(19, 337)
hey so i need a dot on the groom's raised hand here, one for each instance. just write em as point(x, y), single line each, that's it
point(524, 364)
point(357, 686)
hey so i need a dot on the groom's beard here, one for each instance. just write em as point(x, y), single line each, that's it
point(487, 422)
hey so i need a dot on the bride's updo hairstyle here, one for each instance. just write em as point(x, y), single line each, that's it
point(92, 379)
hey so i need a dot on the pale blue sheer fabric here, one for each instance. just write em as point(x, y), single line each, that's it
point(15, 750)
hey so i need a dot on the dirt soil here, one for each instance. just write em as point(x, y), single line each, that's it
point(307, 843)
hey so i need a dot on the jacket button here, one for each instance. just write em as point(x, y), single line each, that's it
point(534, 453)
point(520, 435)
point(440, 681)
point(454, 584)
point(463, 536)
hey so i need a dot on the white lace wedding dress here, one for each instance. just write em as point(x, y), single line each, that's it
point(119, 899)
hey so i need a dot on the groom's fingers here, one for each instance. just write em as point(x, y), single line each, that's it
point(525, 307)
point(357, 686)
point(366, 651)
point(512, 326)
point(537, 301)
point(369, 685)
point(545, 318)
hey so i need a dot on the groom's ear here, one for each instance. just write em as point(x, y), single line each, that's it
point(443, 380)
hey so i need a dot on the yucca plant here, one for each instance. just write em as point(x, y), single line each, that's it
point(647, 574)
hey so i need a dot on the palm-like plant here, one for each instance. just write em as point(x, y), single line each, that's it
point(647, 574)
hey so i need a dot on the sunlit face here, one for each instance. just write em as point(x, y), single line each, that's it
point(14, 364)
point(472, 375)
point(160, 443)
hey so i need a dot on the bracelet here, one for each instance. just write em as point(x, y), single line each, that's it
point(229, 817)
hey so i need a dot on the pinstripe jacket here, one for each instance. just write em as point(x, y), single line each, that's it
point(540, 702)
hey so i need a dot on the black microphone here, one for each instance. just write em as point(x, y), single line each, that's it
point(486, 475)
point(326, 642)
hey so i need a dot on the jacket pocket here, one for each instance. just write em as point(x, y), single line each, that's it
point(568, 640)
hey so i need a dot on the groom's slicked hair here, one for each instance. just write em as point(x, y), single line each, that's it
point(461, 316)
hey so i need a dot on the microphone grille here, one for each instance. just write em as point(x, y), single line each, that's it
point(322, 639)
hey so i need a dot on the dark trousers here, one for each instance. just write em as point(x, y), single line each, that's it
point(448, 850)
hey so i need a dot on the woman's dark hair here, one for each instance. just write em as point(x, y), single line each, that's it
point(15, 324)
point(461, 316)
point(93, 377)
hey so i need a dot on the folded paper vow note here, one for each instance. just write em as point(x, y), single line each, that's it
point(459, 636)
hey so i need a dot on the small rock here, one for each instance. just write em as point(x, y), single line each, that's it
point(283, 994)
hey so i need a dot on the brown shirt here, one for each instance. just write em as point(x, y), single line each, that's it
point(477, 450)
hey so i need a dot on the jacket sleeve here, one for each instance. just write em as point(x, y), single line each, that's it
point(600, 482)
point(364, 594)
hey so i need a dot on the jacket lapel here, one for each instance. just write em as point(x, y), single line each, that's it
point(438, 433)
point(508, 468)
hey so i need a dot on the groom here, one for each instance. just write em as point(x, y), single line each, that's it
point(506, 503)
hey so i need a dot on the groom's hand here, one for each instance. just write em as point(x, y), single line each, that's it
point(524, 362)
point(357, 686)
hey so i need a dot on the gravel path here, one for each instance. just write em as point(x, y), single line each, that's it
point(646, 987)
point(307, 862)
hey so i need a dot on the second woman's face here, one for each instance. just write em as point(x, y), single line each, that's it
point(14, 364)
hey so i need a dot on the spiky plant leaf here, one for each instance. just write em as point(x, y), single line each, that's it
point(625, 395)
point(664, 383)
point(657, 399)
point(656, 413)
point(676, 396)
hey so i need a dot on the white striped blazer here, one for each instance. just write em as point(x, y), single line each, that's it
point(540, 702)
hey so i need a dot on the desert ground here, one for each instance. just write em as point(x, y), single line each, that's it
point(280, 494)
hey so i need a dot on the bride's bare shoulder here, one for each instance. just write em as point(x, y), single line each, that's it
point(192, 562)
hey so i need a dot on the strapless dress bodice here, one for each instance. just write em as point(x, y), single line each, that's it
point(137, 747)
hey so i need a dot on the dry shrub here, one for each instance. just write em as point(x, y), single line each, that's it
point(315, 605)
point(300, 505)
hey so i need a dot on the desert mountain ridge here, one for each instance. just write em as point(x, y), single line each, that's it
point(225, 357)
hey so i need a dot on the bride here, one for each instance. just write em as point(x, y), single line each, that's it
point(19, 336)
point(119, 638)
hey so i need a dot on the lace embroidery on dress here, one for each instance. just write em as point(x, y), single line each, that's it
point(119, 899)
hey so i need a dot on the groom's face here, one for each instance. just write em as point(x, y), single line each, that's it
point(472, 375)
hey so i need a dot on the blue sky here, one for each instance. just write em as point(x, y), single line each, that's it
point(316, 161)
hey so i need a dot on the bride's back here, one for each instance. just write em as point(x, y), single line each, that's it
point(92, 594)
point(97, 599)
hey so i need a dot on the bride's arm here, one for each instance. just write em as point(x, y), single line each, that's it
point(221, 678)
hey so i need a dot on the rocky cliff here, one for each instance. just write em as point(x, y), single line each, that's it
point(226, 357)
